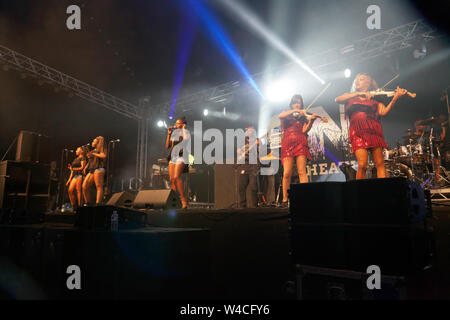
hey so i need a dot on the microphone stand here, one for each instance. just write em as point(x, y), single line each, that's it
point(110, 165)
point(61, 192)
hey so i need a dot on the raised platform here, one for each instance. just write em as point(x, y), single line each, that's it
point(440, 195)
point(224, 254)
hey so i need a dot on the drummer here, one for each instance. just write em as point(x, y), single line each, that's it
point(423, 138)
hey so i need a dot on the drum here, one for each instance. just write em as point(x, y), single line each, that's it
point(396, 169)
point(393, 170)
point(403, 151)
point(389, 155)
point(417, 149)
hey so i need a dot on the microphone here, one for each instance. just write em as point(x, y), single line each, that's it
point(86, 145)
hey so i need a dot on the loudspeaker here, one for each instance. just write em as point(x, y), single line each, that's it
point(33, 147)
point(157, 199)
point(389, 201)
point(121, 199)
point(24, 186)
point(396, 201)
point(226, 192)
point(317, 202)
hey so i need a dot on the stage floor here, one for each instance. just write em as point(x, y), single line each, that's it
point(227, 254)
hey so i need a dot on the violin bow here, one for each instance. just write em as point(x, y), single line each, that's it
point(382, 88)
point(317, 97)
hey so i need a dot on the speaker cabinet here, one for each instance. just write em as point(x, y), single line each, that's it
point(157, 199)
point(24, 185)
point(33, 147)
point(393, 201)
point(121, 199)
point(226, 190)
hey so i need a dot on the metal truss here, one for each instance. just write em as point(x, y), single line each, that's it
point(77, 87)
point(391, 40)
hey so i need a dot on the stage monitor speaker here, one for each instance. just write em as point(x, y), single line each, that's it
point(157, 199)
point(33, 147)
point(394, 201)
point(388, 201)
point(121, 199)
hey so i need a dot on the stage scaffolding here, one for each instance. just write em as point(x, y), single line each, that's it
point(391, 40)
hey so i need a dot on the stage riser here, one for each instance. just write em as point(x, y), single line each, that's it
point(143, 264)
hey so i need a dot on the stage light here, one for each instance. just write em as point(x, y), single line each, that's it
point(160, 123)
point(258, 26)
point(347, 73)
point(420, 52)
point(205, 112)
point(280, 91)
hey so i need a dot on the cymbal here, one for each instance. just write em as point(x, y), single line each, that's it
point(430, 121)
point(412, 137)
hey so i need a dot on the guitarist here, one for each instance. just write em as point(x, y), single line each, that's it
point(248, 172)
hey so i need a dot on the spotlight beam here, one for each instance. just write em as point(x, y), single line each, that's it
point(257, 25)
point(186, 34)
point(221, 39)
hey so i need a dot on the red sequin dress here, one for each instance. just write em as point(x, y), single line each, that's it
point(294, 142)
point(365, 130)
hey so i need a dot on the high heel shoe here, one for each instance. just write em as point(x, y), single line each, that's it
point(184, 205)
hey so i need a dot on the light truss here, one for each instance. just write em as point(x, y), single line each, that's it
point(77, 87)
point(391, 40)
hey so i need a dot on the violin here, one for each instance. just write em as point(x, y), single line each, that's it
point(379, 92)
point(308, 116)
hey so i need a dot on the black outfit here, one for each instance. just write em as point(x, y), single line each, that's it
point(76, 164)
point(94, 164)
point(248, 183)
point(267, 181)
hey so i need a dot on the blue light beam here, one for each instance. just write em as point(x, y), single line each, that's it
point(221, 39)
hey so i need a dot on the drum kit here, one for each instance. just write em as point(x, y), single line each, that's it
point(414, 159)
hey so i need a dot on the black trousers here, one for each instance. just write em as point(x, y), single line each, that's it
point(248, 185)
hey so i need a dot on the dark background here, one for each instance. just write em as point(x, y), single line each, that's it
point(129, 48)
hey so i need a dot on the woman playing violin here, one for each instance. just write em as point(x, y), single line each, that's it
point(366, 132)
point(294, 144)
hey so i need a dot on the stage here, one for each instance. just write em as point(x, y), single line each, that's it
point(177, 254)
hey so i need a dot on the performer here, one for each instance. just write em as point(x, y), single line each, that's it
point(248, 172)
point(294, 144)
point(95, 170)
point(365, 132)
point(423, 138)
point(76, 177)
point(178, 163)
